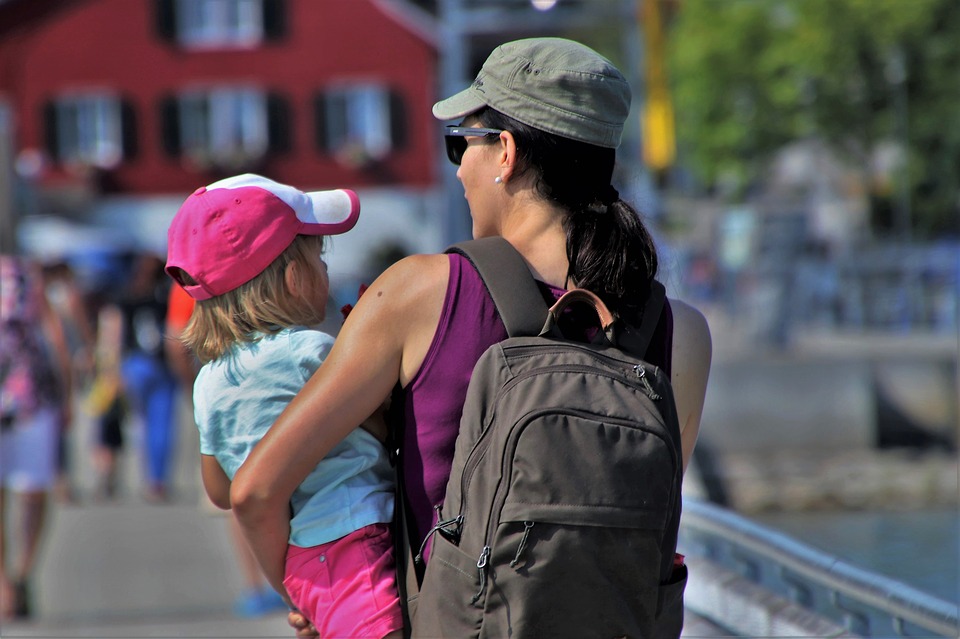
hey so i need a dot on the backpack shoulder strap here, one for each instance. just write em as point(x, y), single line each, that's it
point(509, 282)
point(636, 339)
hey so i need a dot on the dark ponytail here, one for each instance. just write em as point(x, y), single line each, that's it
point(609, 250)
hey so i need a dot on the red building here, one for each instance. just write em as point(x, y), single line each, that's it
point(112, 111)
point(154, 96)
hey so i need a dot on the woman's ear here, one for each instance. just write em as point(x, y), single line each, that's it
point(508, 155)
point(291, 277)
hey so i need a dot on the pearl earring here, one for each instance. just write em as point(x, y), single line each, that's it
point(497, 180)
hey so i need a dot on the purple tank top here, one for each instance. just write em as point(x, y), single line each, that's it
point(433, 400)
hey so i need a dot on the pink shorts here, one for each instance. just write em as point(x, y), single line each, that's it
point(348, 587)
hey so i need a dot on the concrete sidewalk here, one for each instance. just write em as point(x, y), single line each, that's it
point(130, 569)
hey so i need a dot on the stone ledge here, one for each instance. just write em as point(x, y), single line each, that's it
point(804, 480)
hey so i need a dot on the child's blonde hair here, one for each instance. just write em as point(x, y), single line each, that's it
point(262, 305)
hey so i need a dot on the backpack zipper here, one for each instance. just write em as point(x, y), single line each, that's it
point(641, 374)
point(527, 525)
point(482, 572)
point(441, 527)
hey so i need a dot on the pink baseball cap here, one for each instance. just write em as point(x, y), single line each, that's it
point(227, 233)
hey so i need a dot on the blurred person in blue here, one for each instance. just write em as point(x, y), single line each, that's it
point(149, 384)
point(35, 384)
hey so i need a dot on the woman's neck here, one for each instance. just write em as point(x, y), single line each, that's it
point(536, 231)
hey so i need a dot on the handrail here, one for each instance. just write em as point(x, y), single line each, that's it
point(866, 603)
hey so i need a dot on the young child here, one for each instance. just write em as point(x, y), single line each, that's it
point(249, 251)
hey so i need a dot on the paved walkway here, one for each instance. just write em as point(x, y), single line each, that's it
point(128, 568)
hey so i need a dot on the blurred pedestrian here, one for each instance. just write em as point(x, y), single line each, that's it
point(35, 384)
point(67, 302)
point(148, 382)
point(105, 400)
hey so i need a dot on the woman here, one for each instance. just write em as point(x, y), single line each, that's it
point(536, 147)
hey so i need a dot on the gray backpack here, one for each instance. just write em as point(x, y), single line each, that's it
point(562, 507)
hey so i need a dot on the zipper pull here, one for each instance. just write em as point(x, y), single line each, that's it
point(527, 525)
point(482, 572)
point(642, 376)
point(441, 527)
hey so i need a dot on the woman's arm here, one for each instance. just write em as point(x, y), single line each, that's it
point(384, 340)
point(692, 354)
point(215, 481)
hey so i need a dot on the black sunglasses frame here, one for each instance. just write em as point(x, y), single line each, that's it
point(454, 137)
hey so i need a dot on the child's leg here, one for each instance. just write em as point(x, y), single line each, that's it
point(347, 588)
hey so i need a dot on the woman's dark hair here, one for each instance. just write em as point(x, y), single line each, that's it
point(609, 249)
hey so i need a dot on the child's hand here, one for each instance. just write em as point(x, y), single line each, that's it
point(346, 308)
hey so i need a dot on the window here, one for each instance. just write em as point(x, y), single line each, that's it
point(226, 126)
point(86, 129)
point(219, 23)
point(359, 123)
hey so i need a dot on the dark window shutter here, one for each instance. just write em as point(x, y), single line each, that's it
point(274, 19)
point(278, 123)
point(170, 125)
point(399, 133)
point(51, 137)
point(128, 129)
point(166, 19)
point(320, 123)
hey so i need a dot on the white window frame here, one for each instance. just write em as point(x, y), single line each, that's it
point(89, 129)
point(225, 125)
point(358, 120)
point(206, 24)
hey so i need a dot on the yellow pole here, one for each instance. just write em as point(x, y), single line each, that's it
point(657, 123)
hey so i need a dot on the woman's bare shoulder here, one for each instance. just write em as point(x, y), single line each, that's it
point(413, 280)
point(399, 312)
point(692, 339)
point(420, 266)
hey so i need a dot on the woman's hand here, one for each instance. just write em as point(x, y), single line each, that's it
point(301, 625)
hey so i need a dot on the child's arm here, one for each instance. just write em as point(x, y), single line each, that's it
point(215, 481)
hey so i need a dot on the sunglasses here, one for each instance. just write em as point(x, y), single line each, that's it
point(457, 143)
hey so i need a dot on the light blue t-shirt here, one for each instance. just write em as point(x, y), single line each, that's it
point(238, 396)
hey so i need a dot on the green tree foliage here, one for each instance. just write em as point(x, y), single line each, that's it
point(752, 75)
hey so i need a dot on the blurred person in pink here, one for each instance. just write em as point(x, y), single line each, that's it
point(35, 376)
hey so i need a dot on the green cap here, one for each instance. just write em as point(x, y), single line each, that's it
point(552, 84)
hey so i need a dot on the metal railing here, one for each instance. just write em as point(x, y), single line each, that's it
point(865, 603)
